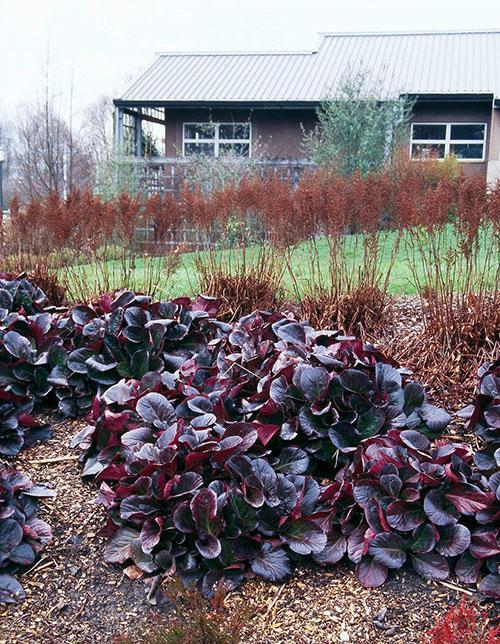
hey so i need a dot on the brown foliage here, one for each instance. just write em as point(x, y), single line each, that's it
point(255, 228)
point(243, 285)
point(163, 213)
point(47, 280)
point(361, 312)
point(127, 216)
point(54, 225)
point(322, 203)
point(453, 250)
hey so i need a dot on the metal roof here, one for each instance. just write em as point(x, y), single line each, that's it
point(444, 62)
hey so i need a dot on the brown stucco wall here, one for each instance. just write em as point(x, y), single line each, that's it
point(278, 133)
point(275, 133)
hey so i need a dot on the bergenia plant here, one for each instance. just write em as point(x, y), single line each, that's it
point(212, 468)
point(483, 417)
point(22, 534)
point(229, 451)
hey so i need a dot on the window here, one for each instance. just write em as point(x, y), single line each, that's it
point(217, 139)
point(438, 140)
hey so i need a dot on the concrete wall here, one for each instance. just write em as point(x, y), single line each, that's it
point(278, 133)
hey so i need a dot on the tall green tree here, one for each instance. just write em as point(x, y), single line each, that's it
point(359, 127)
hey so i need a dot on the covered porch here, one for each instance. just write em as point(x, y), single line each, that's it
point(164, 141)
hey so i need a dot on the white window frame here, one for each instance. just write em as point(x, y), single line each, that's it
point(217, 141)
point(448, 141)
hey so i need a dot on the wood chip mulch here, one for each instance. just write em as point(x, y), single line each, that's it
point(73, 596)
point(318, 606)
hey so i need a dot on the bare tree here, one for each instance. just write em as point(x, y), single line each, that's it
point(98, 130)
point(48, 156)
point(6, 146)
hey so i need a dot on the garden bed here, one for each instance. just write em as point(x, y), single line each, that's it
point(73, 596)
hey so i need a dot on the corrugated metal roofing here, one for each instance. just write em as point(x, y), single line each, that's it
point(453, 62)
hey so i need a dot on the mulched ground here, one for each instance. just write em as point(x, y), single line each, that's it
point(316, 606)
point(73, 596)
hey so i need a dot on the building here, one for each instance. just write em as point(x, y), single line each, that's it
point(218, 103)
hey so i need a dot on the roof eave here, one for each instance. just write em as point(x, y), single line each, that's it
point(455, 98)
point(291, 104)
point(249, 104)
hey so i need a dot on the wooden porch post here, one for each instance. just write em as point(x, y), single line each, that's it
point(118, 134)
point(138, 135)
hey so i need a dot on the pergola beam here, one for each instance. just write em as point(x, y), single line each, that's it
point(144, 117)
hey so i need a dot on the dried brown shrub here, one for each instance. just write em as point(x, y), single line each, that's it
point(46, 279)
point(453, 248)
point(164, 214)
point(93, 245)
point(128, 216)
point(347, 288)
point(243, 282)
point(239, 265)
point(361, 312)
point(54, 229)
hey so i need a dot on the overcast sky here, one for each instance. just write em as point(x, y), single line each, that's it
point(97, 45)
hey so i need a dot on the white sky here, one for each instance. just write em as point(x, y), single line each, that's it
point(100, 44)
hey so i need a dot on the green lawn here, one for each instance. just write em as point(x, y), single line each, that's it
point(185, 279)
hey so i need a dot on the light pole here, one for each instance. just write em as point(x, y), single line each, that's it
point(2, 159)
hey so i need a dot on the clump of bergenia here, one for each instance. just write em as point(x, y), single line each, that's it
point(23, 377)
point(210, 467)
point(424, 504)
point(211, 441)
point(71, 356)
point(18, 428)
point(22, 534)
point(18, 294)
point(483, 417)
point(126, 337)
